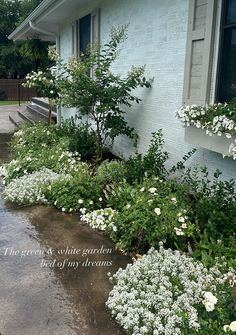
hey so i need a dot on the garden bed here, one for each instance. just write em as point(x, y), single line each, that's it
point(141, 205)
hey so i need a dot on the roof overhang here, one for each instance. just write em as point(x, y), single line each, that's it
point(44, 22)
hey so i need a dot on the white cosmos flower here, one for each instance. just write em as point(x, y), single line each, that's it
point(152, 190)
point(226, 328)
point(157, 211)
point(232, 326)
point(209, 306)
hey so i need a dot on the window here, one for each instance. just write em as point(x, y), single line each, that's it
point(85, 32)
point(227, 64)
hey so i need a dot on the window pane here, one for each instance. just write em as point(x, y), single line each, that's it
point(231, 12)
point(84, 33)
point(228, 69)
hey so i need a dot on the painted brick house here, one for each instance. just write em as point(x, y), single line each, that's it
point(188, 46)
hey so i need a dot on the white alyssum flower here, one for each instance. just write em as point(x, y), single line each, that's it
point(161, 291)
point(27, 190)
point(100, 219)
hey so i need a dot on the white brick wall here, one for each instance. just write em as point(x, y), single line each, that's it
point(156, 37)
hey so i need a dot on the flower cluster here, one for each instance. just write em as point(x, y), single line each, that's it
point(209, 301)
point(45, 82)
point(217, 119)
point(159, 293)
point(231, 327)
point(28, 189)
point(100, 219)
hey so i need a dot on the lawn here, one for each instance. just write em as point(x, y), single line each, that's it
point(8, 103)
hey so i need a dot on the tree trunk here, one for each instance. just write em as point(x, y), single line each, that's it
point(50, 111)
point(98, 144)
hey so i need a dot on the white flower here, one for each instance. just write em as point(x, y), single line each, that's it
point(152, 190)
point(232, 326)
point(157, 211)
point(209, 301)
point(80, 201)
point(142, 189)
point(173, 199)
point(210, 297)
point(83, 210)
point(226, 328)
point(51, 92)
point(209, 306)
point(184, 225)
point(100, 199)
point(181, 219)
point(128, 206)
point(63, 209)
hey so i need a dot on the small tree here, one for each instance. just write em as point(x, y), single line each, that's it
point(46, 84)
point(89, 85)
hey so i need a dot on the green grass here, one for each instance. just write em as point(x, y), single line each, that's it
point(9, 103)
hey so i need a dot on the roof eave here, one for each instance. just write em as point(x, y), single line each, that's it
point(24, 26)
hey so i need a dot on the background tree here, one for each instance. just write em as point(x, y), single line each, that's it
point(17, 59)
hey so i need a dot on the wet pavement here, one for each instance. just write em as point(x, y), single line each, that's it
point(53, 274)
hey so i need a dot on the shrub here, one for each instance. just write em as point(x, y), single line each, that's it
point(149, 213)
point(150, 164)
point(75, 192)
point(36, 138)
point(213, 201)
point(81, 137)
point(55, 158)
point(113, 172)
point(167, 292)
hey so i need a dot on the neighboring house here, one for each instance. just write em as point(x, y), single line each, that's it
point(188, 46)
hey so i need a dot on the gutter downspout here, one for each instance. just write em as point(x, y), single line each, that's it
point(46, 32)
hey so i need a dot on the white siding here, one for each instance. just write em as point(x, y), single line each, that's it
point(157, 35)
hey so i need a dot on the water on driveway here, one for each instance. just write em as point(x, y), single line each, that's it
point(53, 274)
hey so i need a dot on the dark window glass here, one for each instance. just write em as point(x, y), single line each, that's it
point(84, 33)
point(227, 68)
point(231, 12)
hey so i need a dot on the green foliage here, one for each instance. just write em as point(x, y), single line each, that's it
point(149, 213)
point(213, 202)
point(74, 192)
point(89, 84)
point(150, 164)
point(82, 138)
point(111, 173)
point(38, 146)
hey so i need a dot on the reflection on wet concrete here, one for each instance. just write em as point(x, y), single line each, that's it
point(40, 300)
point(69, 299)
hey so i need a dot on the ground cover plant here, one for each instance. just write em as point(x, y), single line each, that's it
point(167, 292)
